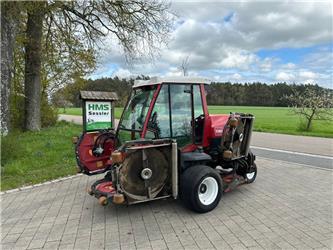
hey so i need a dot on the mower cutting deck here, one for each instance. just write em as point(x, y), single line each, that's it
point(168, 146)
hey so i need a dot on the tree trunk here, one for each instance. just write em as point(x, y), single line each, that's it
point(308, 125)
point(8, 33)
point(32, 83)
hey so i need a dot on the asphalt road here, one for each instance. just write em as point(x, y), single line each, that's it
point(310, 151)
point(318, 161)
point(294, 143)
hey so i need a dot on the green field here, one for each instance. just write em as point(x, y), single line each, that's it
point(34, 157)
point(268, 119)
point(277, 120)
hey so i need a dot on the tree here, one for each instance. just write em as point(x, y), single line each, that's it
point(312, 105)
point(139, 27)
point(8, 31)
point(184, 66)
point(33, 50)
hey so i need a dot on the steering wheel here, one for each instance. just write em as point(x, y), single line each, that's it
point(154, 118)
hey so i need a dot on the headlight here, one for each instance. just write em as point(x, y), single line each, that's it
point(117, 157)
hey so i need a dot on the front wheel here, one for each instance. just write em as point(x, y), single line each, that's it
point(201, 188)
point(251, 174)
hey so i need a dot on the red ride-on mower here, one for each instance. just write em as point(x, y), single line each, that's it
point(168, 145)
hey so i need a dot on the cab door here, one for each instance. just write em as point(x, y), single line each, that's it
point(173, 114)
point(198, 113)
point(181, 113)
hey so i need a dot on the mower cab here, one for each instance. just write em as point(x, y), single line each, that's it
point(167, 145)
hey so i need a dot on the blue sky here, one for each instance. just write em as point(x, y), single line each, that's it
point(290, 55)
point(239, 42)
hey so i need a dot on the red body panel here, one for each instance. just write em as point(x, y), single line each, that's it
point(189, 148)
point(217, 124)
point(88, 161)
point(214, 125)
point(106, 187)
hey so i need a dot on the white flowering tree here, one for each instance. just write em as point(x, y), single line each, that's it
point(312, 105)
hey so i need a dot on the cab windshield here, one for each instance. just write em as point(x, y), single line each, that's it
point(136, 110)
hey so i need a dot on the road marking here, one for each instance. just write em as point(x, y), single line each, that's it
point(293, 152)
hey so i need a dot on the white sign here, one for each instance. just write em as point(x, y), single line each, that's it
point(98, 115)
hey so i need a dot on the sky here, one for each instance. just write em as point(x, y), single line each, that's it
point(248, 41)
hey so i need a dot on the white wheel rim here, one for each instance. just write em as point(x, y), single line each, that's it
point(208, 190)
point(250, 175)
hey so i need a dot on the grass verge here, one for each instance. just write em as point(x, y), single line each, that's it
point(33, 157)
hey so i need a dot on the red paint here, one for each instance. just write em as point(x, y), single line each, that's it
point(217, 124)
point(213, 128)
point(205, 141)
point(189, 148)
point(89, 161)
point(150, 110)
point(106, 187)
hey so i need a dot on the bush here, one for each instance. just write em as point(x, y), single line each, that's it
point(17, 111)
point(49, 114)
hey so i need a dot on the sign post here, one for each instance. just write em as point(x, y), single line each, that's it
point(98, 110)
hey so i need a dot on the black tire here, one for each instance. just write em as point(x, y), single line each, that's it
point(252, 178)
point(196, 177)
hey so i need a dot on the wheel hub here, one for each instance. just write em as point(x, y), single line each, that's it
point(203, 188)
point(208, 191)
point(250, 175)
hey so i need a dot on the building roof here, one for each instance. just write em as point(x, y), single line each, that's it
point(179, 79)
point(98, 95)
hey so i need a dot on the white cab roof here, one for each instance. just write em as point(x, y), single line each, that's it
point(179, 79)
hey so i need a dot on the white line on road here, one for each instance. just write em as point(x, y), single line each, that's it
point(293, 152)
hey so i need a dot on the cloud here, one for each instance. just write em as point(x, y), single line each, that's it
point(307, 74)
point(285, 77)
point(236, 77)
point(222, 39)
point(266, 64)
point(289, 66)
point(308, 77)
point(238, 59)
point(257, 25)
point(122, 73)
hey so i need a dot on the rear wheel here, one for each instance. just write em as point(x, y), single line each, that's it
point(201, 188)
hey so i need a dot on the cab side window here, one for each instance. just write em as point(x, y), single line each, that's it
point(159, 122)
point(181, 113)
point(199, 117)
point(174, 123)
